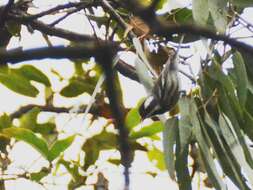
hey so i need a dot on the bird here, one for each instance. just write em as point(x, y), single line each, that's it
point(165, 92)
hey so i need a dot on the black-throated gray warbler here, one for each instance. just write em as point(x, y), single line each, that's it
point(165, 92)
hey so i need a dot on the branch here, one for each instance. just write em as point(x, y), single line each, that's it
point(16, 55)
point(115, 15)
point(4, 12)
point(58, 52)
point(96, 110)
point(66, 15)
point(127, 70)
point(105, 59)
point(167, 30)
point(24, 109)
point(56, 9)
point(53, 31)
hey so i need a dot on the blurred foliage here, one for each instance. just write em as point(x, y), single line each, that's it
point(210, 131)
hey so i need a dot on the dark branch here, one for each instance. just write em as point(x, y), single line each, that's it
point(55, 9)
point(4, 12)
point(127, 70)
point(16, 56)
point(95, 110)
point(115, 15)
point(66, 15)
point(59, 52)
point(167, 30)
point(105, 59)
point(53, 31)
point(24, 109)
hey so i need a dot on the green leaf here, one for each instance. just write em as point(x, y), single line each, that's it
point(147, 131)
point(247, 124)
point(5, 121)
point(115, 161)
point(133, 118)
point(29, 120)
point(156, 156)
point(235, 119)
point(142, 66)
point(78, 63)
point(72, 168)
point(95, 144)
point(216, 73)
point(77, 87)
point(32, 73)
point(180, 16)
point(4, 142)
point(205, 152)
point(241, 75)
point(169, 139)
point(14, 28)
point(29, 137)
point(60, 146)
point(18, 84)
point(181, 166)
point(231, 139)
point(248, 104)
point(200, 11)
point(37, 176)
point(227, 160)
point(45, 128)
point(161, 4)
point(219, 14)
point(185, 125)
point(243, 3)
point(143, 74)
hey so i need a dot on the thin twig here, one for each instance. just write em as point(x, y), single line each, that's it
point(188, 76)
point(95, 110)
point(53, 31)
point(66, 15)
point(54, 10)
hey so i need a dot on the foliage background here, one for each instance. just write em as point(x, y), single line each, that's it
point(213, 124)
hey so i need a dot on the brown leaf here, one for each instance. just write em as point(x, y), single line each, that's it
point(140, 28)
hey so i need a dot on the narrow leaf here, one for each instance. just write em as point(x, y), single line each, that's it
point(205, 152)
point(169, 140)
point(144, 75)
point(241, 75)
point(32, 73)
point(156, 156)
point(29, 137)
point(200, 11)
point(219, 14)
point(5, 121)
point(77, 87)
point(243, 3)
point(181, 166)
point(18, 84)
point(60, 146)
point(232, 141)
point(148, 131)
point(133, 118)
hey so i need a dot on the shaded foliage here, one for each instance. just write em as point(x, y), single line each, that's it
point(210, 128)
